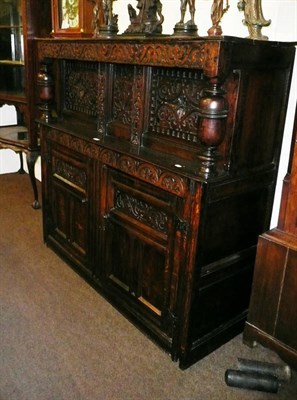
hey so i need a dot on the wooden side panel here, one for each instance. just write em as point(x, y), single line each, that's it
point(267, 284)
point(286, 327)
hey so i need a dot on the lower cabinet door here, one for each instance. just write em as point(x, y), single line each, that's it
point(142, 253)
point(67, 221)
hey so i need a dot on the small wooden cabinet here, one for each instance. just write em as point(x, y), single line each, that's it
point(272, 318)
point(20, 22)
point(159, 174)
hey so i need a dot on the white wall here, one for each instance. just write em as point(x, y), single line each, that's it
point(283, 14)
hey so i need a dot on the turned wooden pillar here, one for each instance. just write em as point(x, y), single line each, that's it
point(46, 92)
point(213, 111)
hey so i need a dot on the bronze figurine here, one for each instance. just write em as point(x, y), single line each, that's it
point(217, 12)
point(183, 28)
point(148, 20)
point(105, 22)
point(253, 18)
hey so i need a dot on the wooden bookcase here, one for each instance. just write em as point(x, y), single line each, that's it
point(20, 22)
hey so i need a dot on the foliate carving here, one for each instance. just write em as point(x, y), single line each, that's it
point(128, 165)
point(141, 211)
point(144, 171)
point(187, 54)
point(80, 146)
point(101, 122)
point(109, 53)
point(171, 183)
point(81, 87)
point(139, 90)
point(68, 172)
point(127, 100)
point(109, 157)
point(149, 173)
point(174, 103)
point(122, 94)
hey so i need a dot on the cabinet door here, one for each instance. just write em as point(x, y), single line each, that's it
point(142, 251)
point(67, 206)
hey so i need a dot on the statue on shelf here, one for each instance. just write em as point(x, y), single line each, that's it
point(253, 18)
point(186, 28)
point(147, 20)
point(217, 12)
point(105, 22)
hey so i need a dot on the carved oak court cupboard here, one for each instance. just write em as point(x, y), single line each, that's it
point(159, 174)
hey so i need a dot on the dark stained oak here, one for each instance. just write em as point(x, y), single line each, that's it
point(159, 163)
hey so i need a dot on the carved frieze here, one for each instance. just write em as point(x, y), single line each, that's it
point(144, 171)
point(187, 54)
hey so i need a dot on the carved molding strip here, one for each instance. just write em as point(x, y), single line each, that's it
point(142, 211)
point(145, 171)
point(70, 174)
point(101, 124)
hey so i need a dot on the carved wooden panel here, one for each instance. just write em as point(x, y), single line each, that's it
point(81, 87)
point(174, 104)
point(141, 211)
point(70, 174)
point(126, 103)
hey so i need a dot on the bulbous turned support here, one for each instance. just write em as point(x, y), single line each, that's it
point(213, 112)
point(45, 84)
